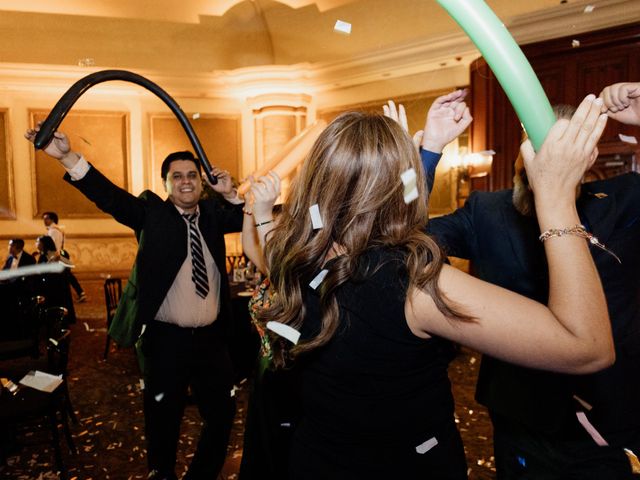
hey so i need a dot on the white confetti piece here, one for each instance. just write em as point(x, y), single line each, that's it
point(628, 139)
point(426, 446)
point(159, 397)
point(142, 384)
point(318, 279)
point(316, 219)
point(195, 116)
point(233, 392)
point(409, 180)
point(575, 43)
point(342, 27)
point(285, 331)
point(589, 8)
point(42, 268)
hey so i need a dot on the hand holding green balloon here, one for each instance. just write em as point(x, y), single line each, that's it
point(508, 63)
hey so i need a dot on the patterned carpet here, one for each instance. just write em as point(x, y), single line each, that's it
point(107, 399)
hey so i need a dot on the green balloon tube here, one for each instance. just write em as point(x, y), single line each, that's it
point(508, 63)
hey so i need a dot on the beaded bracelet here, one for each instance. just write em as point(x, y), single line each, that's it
point(578, 231)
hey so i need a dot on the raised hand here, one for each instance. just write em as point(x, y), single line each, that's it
point(263, 194)
point(58, 148)
point(621, 101)
point(400, 115)
point(447, 118)
point(225, 182)
point(566, 154)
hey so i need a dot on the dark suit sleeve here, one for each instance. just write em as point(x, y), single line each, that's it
point(27, 259)
point(455, 232)
point(108, 197)
point(232, 218)
point(429, 163)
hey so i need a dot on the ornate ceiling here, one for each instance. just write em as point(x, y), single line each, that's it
point(206, 35)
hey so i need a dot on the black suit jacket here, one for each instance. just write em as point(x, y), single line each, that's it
point(162, 248)
point(25, 259)
point(504, 248)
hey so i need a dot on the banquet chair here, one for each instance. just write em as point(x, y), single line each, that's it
point(112, 294)
point(28, 320)
point(25, 410)
point(55, 319)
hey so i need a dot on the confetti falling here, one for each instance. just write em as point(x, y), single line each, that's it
point(342, 27)
point(316, 218)
point(107, 399)
point(409, 180)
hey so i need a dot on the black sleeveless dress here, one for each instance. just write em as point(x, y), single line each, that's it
point(376, 399)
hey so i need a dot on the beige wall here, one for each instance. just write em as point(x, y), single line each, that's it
point(253, 126)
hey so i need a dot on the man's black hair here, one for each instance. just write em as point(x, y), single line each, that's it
point(52, 215)
point(17, 242)
point(172, 157)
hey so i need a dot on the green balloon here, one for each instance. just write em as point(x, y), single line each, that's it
point(508, 63)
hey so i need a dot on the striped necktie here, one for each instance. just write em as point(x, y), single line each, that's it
point(199, 270)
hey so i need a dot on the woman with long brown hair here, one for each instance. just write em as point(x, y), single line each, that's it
point(376, 308)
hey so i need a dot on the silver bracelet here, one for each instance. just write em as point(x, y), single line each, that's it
point(578, 231)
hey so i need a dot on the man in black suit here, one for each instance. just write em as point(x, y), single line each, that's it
point(176, 305)
point(17, 256)
point(546, 425)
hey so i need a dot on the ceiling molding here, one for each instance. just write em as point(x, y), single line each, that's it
point(444, 52)
point(566, 20)
point(185, 11)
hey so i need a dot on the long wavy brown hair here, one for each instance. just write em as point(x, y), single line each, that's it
point(353, 174)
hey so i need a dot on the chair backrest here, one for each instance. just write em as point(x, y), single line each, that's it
point(28, 324)
point(112, 294)
point(58, 353)
point(55, 321)
point(36, 320)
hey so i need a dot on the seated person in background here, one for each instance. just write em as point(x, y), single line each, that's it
point(16, 291)
point(47, 251)
point(376, 308)
point(17, 256)
point(54, 286)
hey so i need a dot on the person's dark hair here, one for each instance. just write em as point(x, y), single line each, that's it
point(18, 242)
point(47, 243)
point(172, 157)
point(522, 197)
point(52, 215)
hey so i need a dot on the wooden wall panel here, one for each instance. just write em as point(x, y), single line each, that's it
point(567, 74)
point(219, 136)
point(7, 197)
point(102, 137)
